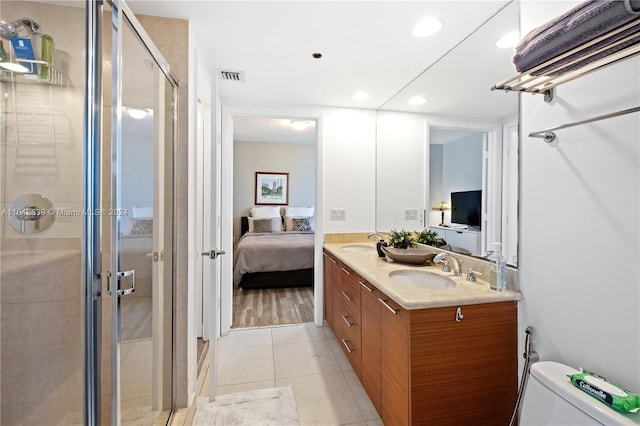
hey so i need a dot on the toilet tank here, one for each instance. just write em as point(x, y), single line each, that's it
point(550, 399)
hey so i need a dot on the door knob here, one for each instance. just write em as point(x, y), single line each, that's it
point(213, 253)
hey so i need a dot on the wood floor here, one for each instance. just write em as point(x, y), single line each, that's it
point(272, 306)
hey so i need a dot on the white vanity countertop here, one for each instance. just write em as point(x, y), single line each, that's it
point(376, 270)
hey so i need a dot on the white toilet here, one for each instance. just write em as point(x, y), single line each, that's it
point(551, 399)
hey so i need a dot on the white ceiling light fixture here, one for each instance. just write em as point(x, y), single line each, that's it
point(417, 100)
point(426, 27)
point(299, 124)
point(508, 40)
point(360, 95)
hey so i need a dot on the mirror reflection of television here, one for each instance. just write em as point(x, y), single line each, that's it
point(466, 207)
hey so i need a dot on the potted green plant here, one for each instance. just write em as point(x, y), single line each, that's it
point(402, 239)
point(429, 238)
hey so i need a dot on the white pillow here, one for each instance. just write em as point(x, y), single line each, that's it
point(265, 211)
point(139, 212)
point(265, 224)
point(298, 211)
point(299, 223)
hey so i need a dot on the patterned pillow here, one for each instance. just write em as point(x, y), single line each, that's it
point(301, 224)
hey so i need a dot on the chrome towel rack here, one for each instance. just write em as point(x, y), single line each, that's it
point(554, 75)
point(558, 71)
point(549, 134)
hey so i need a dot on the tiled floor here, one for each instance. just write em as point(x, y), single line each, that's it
point(303, 356)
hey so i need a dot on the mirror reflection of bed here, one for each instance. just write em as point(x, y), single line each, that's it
point(273, 244)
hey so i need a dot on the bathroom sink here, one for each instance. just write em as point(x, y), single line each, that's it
point(421, 279)
point(359, 248)
point(413, 256)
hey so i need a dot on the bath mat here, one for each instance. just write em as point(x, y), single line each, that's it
point(273, 406)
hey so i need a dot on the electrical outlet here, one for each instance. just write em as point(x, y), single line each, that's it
point(410, 214)
point(337, 214)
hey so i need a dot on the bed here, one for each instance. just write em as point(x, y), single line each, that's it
point(275, 259)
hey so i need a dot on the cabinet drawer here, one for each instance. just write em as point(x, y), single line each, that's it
point(350, 291)
point(352, 346)
point(396, 317)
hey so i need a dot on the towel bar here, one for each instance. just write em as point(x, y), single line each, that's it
point(549, 134)
point(544, 84)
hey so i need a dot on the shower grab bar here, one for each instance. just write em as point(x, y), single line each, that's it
point(549, 134)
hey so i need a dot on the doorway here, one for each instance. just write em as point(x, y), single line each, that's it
point(277, 289)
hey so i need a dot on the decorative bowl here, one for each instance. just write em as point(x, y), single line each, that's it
point(412, 256)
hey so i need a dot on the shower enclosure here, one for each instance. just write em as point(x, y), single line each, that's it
point(87, 131)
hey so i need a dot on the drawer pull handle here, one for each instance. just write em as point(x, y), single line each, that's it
point(345, 271)
point(334, 262)
point(346, 295)
point(346, 345)
point(324, 254)
point(365, 286)
point(346, 320)
point(386, 305)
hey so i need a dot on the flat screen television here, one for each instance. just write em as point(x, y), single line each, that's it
point(466, 208)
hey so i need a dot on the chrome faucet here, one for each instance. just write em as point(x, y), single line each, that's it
point(376, 234)
point(440, 258)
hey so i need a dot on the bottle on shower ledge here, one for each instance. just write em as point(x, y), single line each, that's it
point(46, 55)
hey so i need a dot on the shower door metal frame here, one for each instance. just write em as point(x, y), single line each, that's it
point(91, 224)
point(92, 187)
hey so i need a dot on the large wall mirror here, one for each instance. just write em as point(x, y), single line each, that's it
point(451, 163)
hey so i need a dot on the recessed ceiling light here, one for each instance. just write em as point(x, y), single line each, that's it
point(508, 40)
point(426, 27)
point(417, 100)
point(299, 124)
point(360, 95)
point(137, 113)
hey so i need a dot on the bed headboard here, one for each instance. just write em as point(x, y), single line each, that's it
point(244, 225)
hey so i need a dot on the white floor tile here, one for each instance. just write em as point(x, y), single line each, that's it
point(304, 358)
point(297, 333)
point(362, 399)
point(239, 339)
point(243, 387)
point(323, 399)
point(245, 365)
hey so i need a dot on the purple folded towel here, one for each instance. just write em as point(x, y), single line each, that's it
point(579, 25)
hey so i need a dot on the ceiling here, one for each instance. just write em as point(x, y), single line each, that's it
point(366, 45)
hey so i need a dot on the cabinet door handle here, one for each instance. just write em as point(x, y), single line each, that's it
point(346, 320)
point(365, 286)
point(346, 345)
point(345, 271)
point(324, 254)
point(334, 262)
point(346, 295)
point(386, 305)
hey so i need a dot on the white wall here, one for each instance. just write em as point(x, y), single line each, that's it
point(579, 212)
point(350, 169)
point(297, 159)
point(402, 175)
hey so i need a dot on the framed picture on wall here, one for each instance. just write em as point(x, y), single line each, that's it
point(272, 188)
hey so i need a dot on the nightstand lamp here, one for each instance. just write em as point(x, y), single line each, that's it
point(442, 207)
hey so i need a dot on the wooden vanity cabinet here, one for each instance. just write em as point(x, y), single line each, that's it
point(350, 337)
point(454, 365)
point(328, 261)
point(440, 371)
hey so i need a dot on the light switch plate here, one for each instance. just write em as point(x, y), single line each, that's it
point(338, 214)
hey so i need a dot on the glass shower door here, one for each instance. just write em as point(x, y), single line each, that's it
point(141, 231)
point(41, 225)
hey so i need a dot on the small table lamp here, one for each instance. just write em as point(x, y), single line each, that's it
point(442, 206)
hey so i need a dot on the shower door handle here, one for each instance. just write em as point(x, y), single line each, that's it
point(126, 291)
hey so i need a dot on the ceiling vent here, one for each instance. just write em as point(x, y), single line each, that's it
point(231, 75)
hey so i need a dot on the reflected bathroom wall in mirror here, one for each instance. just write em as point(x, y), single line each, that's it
point(412, 174)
